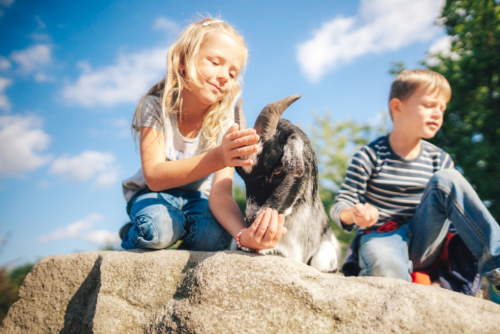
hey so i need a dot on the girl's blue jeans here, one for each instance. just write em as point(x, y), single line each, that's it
point(447, 198)
point(160, 219)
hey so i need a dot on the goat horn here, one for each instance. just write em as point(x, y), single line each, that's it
point(239, 116)
point(269, 116)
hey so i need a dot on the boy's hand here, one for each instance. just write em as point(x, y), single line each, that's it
point(237, 143)
point(265, 232)
point(364, 215)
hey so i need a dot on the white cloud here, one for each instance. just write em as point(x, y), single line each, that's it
point(115, 127)
point(73, 230)
point(125, 81)
point(4, 64)
point(119, 122)
point(4, 100)
point(81, 229)
point(33, 58)
point(164, 24)
point(41, 24)
point(21, 141)
point(379, 26)
point(42, 77)
point(88, 165)
point(6, 3)
point(103, 237)
point(41, 37)
point(441, 46)
point(122, 125)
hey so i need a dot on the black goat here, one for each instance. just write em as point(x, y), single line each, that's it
point(284, 177)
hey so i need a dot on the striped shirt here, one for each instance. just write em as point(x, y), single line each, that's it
point(376, 175)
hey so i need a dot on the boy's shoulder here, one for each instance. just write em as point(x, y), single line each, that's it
point(432, 149)
point(437, 155)
point(381, 146)
point(380, 143)
point(378, 147)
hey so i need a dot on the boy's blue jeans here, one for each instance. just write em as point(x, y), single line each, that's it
point(447, 197)
point(162, 218)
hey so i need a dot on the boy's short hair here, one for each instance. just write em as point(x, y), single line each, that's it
point(408, 81)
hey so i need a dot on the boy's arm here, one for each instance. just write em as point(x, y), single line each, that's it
point(347, 202)
point(362, 215)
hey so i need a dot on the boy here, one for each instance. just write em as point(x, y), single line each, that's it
point(411, 191)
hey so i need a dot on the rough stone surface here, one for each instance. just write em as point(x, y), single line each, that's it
point(175, 291)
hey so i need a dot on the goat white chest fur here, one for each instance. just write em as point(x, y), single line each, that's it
point(284, 177)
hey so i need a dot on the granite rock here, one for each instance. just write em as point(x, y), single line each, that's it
point(172, 291)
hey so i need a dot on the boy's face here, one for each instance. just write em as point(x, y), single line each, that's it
point(421, 114)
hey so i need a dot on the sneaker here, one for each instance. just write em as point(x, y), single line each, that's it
point(495, 294)
point(124, 230)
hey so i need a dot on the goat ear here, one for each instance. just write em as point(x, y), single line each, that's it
point(293, 161)
point(239, 116)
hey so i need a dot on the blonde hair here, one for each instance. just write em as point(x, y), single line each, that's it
point(185, 51)
point(408, 81)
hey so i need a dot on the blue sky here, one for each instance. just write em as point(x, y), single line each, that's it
point(71, 74)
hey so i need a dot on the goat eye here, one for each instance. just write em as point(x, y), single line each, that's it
point(277, 170)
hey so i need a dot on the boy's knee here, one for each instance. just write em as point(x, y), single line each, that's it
point(393, 267)
point(448, 178)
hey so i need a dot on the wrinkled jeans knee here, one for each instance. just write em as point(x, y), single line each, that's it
point(385, 254)
point(163, 218)
point(155, 227)
point(448, 178)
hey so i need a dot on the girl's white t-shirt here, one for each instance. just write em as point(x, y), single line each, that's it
point(176, 145)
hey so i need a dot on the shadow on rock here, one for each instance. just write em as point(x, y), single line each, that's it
point(81, 308)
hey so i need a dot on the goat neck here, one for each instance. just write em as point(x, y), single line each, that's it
point(266, 122)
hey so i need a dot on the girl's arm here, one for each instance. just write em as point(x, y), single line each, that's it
point(161, 174)
point(264, 232)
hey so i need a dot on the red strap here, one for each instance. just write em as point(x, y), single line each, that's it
point(390, 226)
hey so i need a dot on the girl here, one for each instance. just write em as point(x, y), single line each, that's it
point(181, 124)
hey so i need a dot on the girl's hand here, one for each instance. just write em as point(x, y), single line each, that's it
point(236, 144)
point(265, 231)
point(365, 215)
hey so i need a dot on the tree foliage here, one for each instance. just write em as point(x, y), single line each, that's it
point(10, 282)
point(471, 129)
point(334, 144)
point(240, 197)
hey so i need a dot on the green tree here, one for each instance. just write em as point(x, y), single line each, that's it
point(8, 293)
point(10, 282)
point(239, 195)
point(334, 144)
point(18, 274)
point(471, 129)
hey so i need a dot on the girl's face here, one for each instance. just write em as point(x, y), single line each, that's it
point(219, 60)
